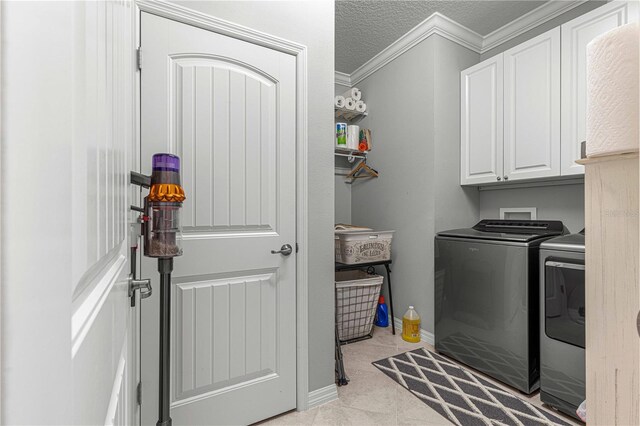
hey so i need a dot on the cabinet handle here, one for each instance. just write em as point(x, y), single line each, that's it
point(506, 178)
point(498, 178)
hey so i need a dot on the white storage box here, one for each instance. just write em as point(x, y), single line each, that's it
point(356, 302)
point(354, 247)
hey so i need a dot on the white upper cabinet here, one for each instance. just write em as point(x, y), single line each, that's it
point(481, 122)
point(523, 112)
point(576, 34)
point(532, 108)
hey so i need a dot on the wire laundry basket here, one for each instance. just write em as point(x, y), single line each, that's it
point(356, 301)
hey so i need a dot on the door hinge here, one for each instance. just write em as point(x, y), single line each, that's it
point(139, 57)
point(139, 393)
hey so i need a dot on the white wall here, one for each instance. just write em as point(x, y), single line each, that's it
point(414, 116)
point(310, 23)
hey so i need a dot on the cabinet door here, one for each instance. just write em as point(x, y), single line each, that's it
point(481, 122)
point(532, 108)
point(576, 34)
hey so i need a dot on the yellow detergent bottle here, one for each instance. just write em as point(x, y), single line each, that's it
point(411, 326)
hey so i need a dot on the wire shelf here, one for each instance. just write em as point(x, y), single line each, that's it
point(349, 115)
point(345, 152)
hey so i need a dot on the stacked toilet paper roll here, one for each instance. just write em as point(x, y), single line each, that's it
point(353, 93)
point(351, 100)
point(349, 104)
point(612, 92)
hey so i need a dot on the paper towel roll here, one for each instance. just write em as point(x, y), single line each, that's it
point(353, 93)
point(339, 101)
point(350, 104)
point(361, 106)
point(612, 92)
point(353, 135)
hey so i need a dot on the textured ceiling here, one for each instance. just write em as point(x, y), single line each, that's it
point(365, 27)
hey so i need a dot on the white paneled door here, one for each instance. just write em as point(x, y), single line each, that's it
point(532, 108)
point(481, 130)
point(227, 108)
point(68, 135)
point(103, 346)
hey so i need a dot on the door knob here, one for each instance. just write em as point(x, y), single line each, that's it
point(285, 250)
point(498, 178)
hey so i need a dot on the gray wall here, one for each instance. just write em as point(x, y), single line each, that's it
point(310, 23)
point(402, 197)
point(563, 202)
point(414, 116)
point(555, 22)
point(342, 199)
point(339, 89)
point(455, 205)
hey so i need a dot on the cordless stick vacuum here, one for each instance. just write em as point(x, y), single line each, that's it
point(162, 236)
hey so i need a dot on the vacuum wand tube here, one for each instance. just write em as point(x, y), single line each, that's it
point(165, 266)
point(162, 237)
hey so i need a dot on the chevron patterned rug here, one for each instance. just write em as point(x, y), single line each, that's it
point(459, 395)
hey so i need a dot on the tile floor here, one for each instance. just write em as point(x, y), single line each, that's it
point(371, 398)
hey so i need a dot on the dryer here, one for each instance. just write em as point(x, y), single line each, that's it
point(562, 322)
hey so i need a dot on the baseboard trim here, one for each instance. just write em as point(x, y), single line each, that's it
point(425, 336)
point(322, 396)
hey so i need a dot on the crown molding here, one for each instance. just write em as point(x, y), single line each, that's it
point(449, 29)
point(528, 21)
point(343, 79)
point(434, 24)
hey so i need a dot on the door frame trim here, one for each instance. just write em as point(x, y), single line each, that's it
point(194, 18)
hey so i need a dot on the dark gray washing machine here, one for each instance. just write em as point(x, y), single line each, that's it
point(486, 297)
point(562, 322)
